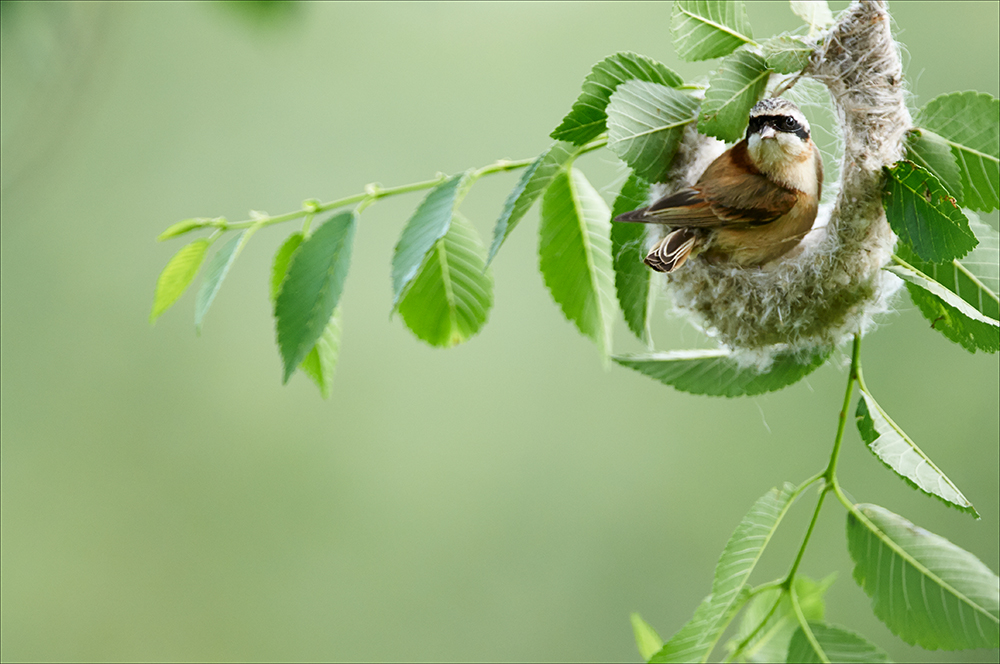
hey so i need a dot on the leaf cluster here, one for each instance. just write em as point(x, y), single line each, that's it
point(946, 256)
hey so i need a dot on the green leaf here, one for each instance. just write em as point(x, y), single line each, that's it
point(428, 224)
point(321, 362)
point(917, 278)
point(786, 54)
point(709, 29)
point(838, 644)
point(926, 590)
point(177, 276)
point(968, 122)
point(688, 645)
point(932, 153)
point(733, 90)
point(575, 255)
point(451, 295)
point(716, 373)
point(695, 641)
point(632, 277)
point(771, 642)
point(976, 279)
point(646, 639)
point(312, 289)
point(645, 125)
point(815, 13)
point(587, 118)
point(532, 184)
point(182, 227)
point(282, 259)
point(215, 273)
point(901, 455)
point(923, 215)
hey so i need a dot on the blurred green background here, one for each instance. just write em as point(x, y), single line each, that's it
point(165, 498)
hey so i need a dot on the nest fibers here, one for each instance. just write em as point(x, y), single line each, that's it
point(832, 285)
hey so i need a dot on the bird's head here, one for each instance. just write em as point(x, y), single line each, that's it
point(778, 135)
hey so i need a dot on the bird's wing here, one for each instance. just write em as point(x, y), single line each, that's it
point(749, 199)
point(731, 193)
point(684, 207)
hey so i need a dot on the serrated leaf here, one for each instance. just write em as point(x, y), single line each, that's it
point(574, 254)
point(901, 455)
point(321, 362)
point(686, 645)
point(452, 293)
point(180, 228)
point(786, 54)
point(771, 642)
point(587, 119)
point(733, 89)
point(177, 276)
point(923, 215)
point(215, 273)
point(695, 641)
point(704, 29)
point(968, 122)
point(815, 13)
point(646, 639)
point(926, 590)
point(976, 279)
point(632, 277)
point(838, 645)
point(282, 259)
point(645, 125)
point(717, 373)
point(312, 289)
point(426, 226)
point(532, 184)
point(970, 334)
point(917, 278)
point(932, 153)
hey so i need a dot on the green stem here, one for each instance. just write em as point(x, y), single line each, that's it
point(831, 470)
point(756, 630)
point(374, 192)
point(804, 624)
point(774, 584)
point(899, 261)
point(830, 474)
point(837, 491)
point(805, 540)
point(764, 587)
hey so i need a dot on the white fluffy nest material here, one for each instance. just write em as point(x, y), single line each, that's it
point(830, 288)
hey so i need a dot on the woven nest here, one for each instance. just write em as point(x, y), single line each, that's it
point(832, 286)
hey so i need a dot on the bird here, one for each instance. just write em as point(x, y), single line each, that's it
point(753, 204)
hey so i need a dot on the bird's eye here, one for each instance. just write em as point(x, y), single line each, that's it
point(789, 124)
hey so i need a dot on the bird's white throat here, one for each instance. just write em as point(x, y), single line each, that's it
point(786, 158)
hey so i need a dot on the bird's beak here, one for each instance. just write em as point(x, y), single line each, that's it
point(767, 131)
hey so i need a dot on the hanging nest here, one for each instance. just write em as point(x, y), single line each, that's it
point(832, 286)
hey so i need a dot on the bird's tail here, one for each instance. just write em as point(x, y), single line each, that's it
point(672, 251)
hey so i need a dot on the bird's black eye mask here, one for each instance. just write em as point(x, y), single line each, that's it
point(785, 123)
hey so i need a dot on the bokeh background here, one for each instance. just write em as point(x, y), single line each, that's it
point(165, 498)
